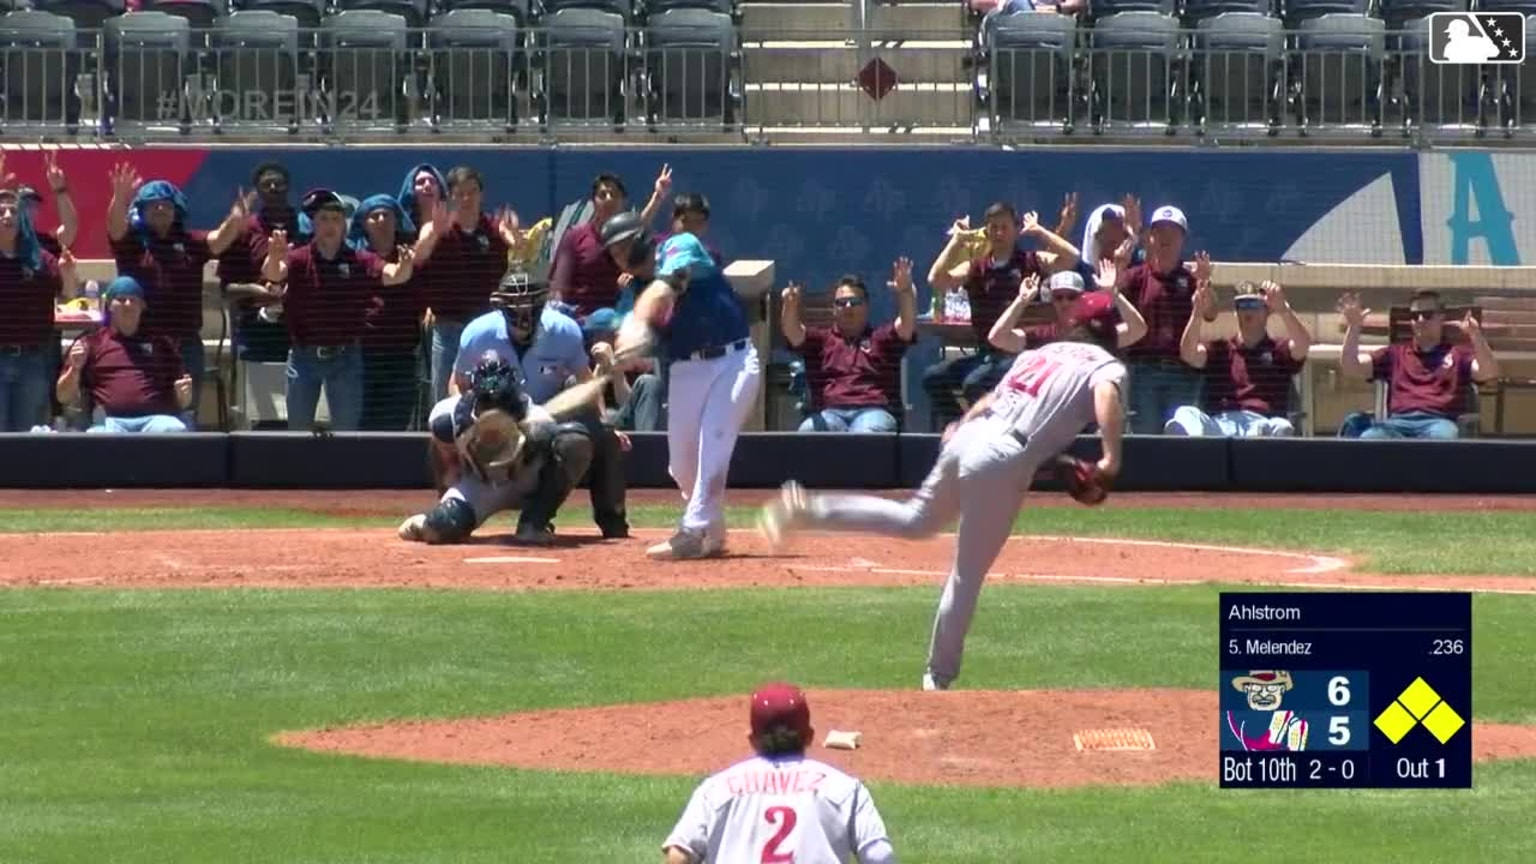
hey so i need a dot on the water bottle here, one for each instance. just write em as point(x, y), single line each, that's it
point(93, 295)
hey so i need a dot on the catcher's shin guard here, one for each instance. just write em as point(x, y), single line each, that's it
point(451, 521)
point(567, 460)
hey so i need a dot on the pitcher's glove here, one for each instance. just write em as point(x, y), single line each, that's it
point(1083, 480)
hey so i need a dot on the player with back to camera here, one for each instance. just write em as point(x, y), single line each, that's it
point(986, 465)
point(688, 306)
point(493, 449)
point(780, 805)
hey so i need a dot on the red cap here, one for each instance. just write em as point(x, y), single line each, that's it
point(779, 705)
point(1096, 312)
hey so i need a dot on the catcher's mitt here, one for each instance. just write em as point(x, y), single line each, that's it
point(1083, 480)
point(493, 443)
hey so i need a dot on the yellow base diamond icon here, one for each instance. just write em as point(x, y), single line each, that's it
point(1443, 722)
point(1395, 722)
point(1419, 698)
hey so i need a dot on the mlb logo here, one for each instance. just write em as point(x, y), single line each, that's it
point(1470, 39)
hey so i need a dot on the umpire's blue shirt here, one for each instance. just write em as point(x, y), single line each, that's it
point(708, 314)
point(557, 353)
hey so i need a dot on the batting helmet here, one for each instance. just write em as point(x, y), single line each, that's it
point(628, 226)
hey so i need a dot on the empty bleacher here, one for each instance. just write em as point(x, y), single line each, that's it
point(353, 69)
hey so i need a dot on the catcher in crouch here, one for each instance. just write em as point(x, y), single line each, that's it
point(986, 465)
point(494, 450)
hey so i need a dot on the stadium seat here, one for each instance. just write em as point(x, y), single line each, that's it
point(41, 61)
point(583, 66)
point(1237, 73)
point(365, 67)
point(1514, 97)
point(1435, 95)
point(1524, 7)
point(522, 10)
point(624, 8)
point(1104, 8)
point(1031, 72)
point(87, 14)
point(1135, 70)
point(309, 13)
point(1339, 65)
point(1297, 11)
point(199, 13)
point(727, 7)
point(415, 12)
point(1398, 13)
point(1196, 11)
point(690, 58)
point(15, 6)
point(258, 58)
point(474, 68)
point(148, 60)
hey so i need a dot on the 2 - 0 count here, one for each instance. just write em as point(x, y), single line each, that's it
point(1418, 769)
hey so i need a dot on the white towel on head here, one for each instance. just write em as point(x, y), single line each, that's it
point(1090, 247)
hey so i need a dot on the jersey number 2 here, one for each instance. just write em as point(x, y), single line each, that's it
point(785, 818)
point(1030, 378)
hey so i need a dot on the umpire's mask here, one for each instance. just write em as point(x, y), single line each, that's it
point(521, 298)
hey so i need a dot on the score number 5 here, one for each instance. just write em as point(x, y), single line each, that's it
point(1338, 696)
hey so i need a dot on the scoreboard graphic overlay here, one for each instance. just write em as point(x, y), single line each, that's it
point(1346, 690)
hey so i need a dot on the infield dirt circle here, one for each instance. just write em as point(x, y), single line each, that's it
point(965, 737)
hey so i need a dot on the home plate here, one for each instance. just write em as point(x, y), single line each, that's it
point(511, 559)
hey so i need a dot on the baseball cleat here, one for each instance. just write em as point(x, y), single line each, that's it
point(930, 683)
point(784, 514)
point(686, 546)
point(530, 535)
point(414, 529)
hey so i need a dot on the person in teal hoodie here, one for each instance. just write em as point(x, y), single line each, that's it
point(392, 334)
point(422, 188)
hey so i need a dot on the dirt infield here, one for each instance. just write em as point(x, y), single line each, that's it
point(397, 501)
point(971, 738)
point(958, 738)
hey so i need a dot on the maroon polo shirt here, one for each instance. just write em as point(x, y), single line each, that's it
point(584, 274)
point(327, 299)
point(990, 287)
point(1243, 378)
point(392, 319)
point(1433, 380)
point(1165, 300)
point(131, 376)
point(853, 373)
point(170, 269)
point(26, 301)
point(463, 270)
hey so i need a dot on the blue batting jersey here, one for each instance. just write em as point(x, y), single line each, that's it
point(557, 353)
point(707, 314)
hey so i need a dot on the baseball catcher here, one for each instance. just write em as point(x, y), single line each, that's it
point(493, 449)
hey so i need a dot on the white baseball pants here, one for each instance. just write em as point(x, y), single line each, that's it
point(708, 402)
point(982, 475)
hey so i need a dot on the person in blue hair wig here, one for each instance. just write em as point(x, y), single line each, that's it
point(134, 378)
point(392, 326)
point(31, 278)
point(147, 225)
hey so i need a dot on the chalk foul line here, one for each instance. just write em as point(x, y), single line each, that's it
point(1317, 563)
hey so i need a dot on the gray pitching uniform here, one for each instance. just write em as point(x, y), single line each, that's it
point(982, 475)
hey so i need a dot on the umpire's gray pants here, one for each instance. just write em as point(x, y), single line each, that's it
point(982, 475)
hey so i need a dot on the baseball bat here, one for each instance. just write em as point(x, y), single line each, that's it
point(575, 399)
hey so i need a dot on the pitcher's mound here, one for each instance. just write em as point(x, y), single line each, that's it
point(964, 737)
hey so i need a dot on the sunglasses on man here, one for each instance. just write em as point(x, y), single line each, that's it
point(847, 302)
point(1422, 314)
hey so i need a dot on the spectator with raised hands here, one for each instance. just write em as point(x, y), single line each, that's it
point(1063, 289)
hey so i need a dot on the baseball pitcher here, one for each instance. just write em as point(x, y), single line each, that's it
point(493, 450)
point(988, 462)
point(780, 806)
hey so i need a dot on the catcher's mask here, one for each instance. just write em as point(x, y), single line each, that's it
point(629, 241)
point(521, 298)
point(493, 384)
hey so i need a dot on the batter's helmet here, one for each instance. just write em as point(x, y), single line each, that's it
point(629, 226)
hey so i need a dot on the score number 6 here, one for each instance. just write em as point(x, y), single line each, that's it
point(1338, 695)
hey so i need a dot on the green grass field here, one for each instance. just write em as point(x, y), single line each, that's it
point(133, 724)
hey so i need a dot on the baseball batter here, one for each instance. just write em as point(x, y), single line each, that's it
point(780, 806)
point(987, 463)
point(713, 374)
point(523, 461)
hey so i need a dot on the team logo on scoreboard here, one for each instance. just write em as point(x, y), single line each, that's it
point(1265, 690)
point(1416, 705)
